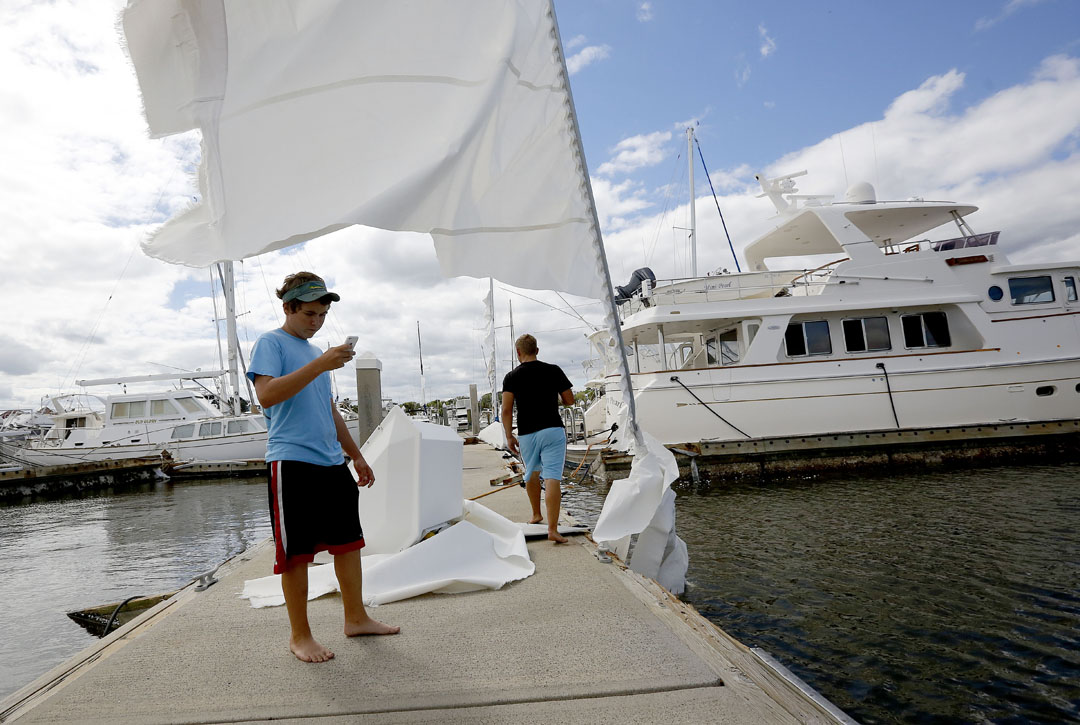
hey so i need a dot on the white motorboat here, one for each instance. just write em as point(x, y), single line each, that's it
point(179, 424)
point(895, 332)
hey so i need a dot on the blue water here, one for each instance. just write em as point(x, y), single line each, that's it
point(59, 556)
point(915, 598)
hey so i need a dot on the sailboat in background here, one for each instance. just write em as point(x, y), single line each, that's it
point(181, 425)
point(422, 415)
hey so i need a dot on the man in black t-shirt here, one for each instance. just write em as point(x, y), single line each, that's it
point(537, 388)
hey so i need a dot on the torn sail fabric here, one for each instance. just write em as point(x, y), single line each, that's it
point(412, 115)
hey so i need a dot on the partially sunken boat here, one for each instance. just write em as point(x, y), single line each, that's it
point(897, 343)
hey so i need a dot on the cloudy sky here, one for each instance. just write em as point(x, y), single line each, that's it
point(974, 101)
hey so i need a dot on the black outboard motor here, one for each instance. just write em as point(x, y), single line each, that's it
point(623, 294)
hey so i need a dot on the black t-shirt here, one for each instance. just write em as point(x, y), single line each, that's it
point(536, 387)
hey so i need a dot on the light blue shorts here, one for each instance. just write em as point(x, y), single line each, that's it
point(544, 451)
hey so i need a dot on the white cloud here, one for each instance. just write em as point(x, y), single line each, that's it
point(644, 13)
point(768, 45)
point(1010, 7)
point(586, 56)
point(574, 42)
point(1016, 154)
point(742, 71)
point(616, 203)
point(636, 152)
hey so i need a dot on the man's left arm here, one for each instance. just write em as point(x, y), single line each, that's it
point(363, 470)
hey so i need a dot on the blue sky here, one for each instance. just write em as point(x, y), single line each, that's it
point(973, 101)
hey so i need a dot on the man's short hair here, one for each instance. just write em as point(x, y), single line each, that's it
point(526, 345)
point(301, 278)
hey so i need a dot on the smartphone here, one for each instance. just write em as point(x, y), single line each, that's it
point(351, 340)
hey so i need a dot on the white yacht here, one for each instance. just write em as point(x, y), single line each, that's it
point(177, 424)
point(895, 332)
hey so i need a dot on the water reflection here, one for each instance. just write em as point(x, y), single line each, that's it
point(950, 597)
point(58, 556)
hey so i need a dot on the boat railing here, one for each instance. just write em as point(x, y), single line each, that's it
point(816, 276)
point(573, 418)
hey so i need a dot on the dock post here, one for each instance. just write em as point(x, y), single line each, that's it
point(474, 410)
point(368, 395)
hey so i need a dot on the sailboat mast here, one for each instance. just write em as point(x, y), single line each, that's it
point(693, 211)
point(493, 356)
point(420, 349)
point(227, 285)
point(513, 346)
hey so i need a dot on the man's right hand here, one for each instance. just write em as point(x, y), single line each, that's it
point(512, 444)
point(336, 357)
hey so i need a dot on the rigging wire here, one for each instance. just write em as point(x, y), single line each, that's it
point(557, 309)
point(676, 168)
point(80, 357)
point(717, 201)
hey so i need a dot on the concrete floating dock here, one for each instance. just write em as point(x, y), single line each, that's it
point(579, 641)
point(786, 457)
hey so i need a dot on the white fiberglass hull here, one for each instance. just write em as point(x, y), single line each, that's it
point(212, 449)
point(750, 403)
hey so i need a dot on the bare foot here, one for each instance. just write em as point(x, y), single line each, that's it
point(369, 627)
point(536, 519)
point(308, 650)
point(554, 535)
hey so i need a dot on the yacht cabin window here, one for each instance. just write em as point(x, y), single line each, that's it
point(183, 431)
point(722, 348)
point(238, 426)
point(210, 429)
point(930, 329)
point(162, 407)
point(867, 334)
point(1070, 289)
point(808, 338)
point(131, 409)
point(1031, 290)
point(189, 405)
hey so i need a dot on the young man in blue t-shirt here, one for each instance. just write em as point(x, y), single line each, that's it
point(313, 497)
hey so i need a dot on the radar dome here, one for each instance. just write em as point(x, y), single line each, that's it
point(860, 193)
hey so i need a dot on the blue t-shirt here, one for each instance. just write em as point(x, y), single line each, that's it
point(302, 427)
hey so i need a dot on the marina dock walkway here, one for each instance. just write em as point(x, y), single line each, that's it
point(579, 641)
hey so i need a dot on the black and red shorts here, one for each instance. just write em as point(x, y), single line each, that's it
point(312, 508)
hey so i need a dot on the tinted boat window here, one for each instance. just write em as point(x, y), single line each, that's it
point(877, 333)
point(793, 339)
point(867, 333)
point(854, 340)
point(930, 329)
point(817, 338)
point(1070, 289)
point(1031, 290)
point(937, 329)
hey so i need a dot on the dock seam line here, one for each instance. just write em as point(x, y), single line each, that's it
point(464, 706)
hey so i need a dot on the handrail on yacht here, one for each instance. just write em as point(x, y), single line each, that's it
point(796, 279)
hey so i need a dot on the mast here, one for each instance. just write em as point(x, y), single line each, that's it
point(493, 357)
point(230, 331)
point(693, 211)
point(420, 349)
point(513, 346)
